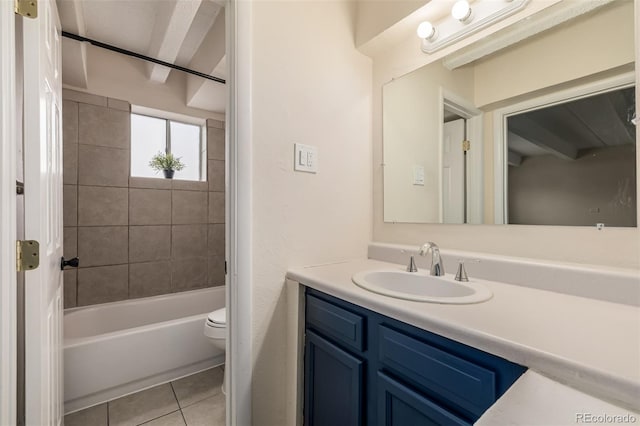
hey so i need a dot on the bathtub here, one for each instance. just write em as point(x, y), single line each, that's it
point(118, 348)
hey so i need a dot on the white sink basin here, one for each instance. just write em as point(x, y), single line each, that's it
point(421, 287)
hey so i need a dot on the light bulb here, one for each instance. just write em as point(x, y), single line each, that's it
point(461, 11)
point(426, 30)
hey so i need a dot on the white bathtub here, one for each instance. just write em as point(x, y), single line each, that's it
point(114, 349)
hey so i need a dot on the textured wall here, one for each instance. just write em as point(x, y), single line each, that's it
point(135, 237)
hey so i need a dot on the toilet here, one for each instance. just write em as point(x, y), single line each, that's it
point(215, 328)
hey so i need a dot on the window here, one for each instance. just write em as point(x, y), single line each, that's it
point(150, 135)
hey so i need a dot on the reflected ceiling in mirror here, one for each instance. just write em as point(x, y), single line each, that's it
point(418, 185)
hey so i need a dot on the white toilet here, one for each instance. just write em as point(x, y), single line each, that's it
point(215, 328)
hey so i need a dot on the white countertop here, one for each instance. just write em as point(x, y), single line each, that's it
point(589, 344)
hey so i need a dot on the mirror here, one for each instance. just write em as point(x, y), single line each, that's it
point(431, 176)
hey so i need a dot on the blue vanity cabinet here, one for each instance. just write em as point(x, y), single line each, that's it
point(363, 368)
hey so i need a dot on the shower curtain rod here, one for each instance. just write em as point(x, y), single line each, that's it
point(139, 56)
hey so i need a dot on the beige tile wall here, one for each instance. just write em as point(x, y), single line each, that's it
point(135, 237)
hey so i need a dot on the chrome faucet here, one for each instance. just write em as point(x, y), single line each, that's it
point(437, 268)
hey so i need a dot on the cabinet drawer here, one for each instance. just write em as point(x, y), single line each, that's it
point(454, 380)
point(399, 405)
point(334, 322)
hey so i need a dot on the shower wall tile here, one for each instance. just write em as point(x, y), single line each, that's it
point(215, 271)
point(69, 122)
point(120, 105)
point(189, 207)
point(136, 237)
point(149, 207)
point(82, 97)
point(101, 205)
point(103, 245)
point(216, 175)
point(188, 241)
point(215, 144)
point(100, 166)
point(70, 205)
point(70, 288)
point(149, 279)
point(149, 183)
point(102, 126)
point(188, 274)
point(216, 207)
point(215, 239)
point(70, 242)
point(189, 185)
point(70, 163)
point(149, 243)
point(218, 124)
point(103, 284)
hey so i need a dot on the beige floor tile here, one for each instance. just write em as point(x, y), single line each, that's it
point(173, 419)
point(209, 412)
point(197, 387)
point(142, 406)
point(93, 416)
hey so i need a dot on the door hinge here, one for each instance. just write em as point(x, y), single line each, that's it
point(466, 146)
point(26, 8)
point(19, 188)
point(27, 255)
point(225, 267)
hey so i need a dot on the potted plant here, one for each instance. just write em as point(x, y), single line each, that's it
point(166, 162)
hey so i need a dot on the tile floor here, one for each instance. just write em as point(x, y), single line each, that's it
point(195, 400)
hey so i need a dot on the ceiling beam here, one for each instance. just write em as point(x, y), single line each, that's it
point(208, 59)
point(74, 66)
point(514, 159)
point(538, 134)
point(172, 25)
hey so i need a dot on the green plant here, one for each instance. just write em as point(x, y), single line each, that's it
point(162, 161)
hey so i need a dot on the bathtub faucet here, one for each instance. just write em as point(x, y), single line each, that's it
point(437, 268)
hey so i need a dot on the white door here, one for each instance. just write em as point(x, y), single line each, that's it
point(453, 172)
point(43, 216)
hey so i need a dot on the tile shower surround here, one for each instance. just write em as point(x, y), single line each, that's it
point(135, 237)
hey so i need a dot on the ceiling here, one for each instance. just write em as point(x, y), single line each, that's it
point(566, 129)
point(189, 33)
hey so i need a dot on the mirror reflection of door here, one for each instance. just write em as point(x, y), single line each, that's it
point(453, 169)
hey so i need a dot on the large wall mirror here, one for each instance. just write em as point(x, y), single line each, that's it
point(541, 132)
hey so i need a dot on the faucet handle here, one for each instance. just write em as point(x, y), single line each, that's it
point(411, 267)
point(461, 275)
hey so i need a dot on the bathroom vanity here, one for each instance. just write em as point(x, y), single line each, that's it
point(363, 368)
point(372, 359)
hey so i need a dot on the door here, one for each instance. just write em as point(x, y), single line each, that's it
point(333, 389)
point(453, 202)
point(43, 215)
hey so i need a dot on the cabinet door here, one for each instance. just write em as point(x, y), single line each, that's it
point(399, 405)
point(333, 384)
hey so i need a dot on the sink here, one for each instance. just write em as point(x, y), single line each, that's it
point(421, 287)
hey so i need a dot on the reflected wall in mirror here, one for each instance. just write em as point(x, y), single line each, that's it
point(574, 163)
point(576, 53)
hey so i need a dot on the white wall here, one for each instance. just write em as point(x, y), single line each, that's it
point(411, 120)
point(309, 85)
point(117, 76)
point(611, 247)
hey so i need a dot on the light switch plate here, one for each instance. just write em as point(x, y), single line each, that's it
point(418, 175)
point(305, 158)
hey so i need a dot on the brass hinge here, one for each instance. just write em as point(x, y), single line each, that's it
point(27, 255)
point(26, 8)
point(466, 145)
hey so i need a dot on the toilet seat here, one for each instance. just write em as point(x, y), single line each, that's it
point(217, 318)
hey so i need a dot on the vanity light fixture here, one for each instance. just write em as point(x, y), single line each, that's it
point(461, 11)
point(464, 21)
point(427, 31)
